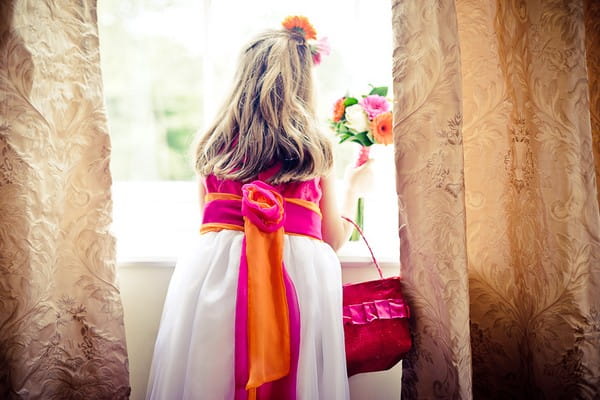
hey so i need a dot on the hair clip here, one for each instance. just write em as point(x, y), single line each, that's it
point(301, 25)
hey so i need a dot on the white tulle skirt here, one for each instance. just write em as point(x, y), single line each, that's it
point(194, 351)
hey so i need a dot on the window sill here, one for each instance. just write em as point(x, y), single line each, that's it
point(350, 256)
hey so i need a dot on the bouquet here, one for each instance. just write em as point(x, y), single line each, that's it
point(365, 121)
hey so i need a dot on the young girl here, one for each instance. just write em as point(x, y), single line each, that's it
point(255, 309)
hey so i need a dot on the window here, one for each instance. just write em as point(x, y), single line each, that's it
point(167, 64)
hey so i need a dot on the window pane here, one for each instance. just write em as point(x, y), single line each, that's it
point(168, 64)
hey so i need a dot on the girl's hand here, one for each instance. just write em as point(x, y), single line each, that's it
point(360, 180)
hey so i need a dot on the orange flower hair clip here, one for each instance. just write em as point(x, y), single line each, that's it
point(301, 25)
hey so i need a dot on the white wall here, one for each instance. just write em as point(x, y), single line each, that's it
point(143, 290)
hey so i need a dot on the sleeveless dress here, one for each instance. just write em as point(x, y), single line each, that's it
point(195, 356)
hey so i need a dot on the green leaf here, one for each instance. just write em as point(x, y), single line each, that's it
point(350, 101)
point(339, 127)
point(344, 138)
point(381, 90)
point(346, 129)
point(362, 138)
point(371, 137)
point(345, 134)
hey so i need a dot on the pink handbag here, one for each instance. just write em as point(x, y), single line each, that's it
point(375, 317)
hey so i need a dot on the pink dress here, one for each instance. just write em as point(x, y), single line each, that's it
point(194, 355)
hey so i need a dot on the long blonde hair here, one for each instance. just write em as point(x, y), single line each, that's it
point(268, 117)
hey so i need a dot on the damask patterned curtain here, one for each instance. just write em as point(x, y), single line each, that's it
point(498, 165)
point(61, 320)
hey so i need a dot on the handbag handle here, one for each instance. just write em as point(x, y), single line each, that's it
point(367, 243)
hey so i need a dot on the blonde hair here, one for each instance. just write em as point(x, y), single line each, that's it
point(268, 117)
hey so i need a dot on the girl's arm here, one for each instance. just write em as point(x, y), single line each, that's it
point(201, 194)
point(336, 230)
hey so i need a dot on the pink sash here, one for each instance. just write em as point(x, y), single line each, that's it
point(267, 321)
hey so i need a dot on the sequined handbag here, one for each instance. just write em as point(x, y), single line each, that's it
point(375, 317)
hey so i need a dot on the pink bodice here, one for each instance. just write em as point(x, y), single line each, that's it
point(306, 190)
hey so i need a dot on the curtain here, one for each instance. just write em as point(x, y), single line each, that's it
point(592, 45)
point(61, 319)
point(497, 143)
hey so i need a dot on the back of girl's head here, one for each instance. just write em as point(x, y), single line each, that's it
point(268, 118)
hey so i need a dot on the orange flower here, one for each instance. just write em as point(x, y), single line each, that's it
point(300, 24)
point(338, 109)
point(381, 127)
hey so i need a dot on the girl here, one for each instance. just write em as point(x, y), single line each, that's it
point(255, 309)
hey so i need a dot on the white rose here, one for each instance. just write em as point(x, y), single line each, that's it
point(357, 118)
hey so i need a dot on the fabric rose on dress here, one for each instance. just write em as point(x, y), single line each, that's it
point(263, 206)
point(374, 105)
point(357, 119)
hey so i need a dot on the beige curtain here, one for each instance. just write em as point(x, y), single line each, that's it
point(592, 45)
point(61, 320)
point(498, 190)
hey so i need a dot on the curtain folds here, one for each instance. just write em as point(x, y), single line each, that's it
point(592, 46)
point(498, 166)
point(61, 319)
point(430, 184)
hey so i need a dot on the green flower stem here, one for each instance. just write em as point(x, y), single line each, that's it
point(359, 220)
